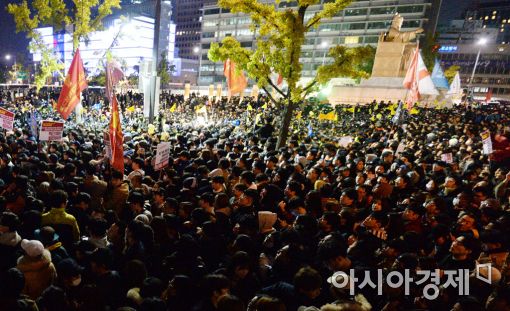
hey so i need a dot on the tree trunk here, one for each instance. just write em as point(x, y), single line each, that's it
point(285, 125)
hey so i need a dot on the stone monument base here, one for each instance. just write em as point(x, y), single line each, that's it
point(380, 89)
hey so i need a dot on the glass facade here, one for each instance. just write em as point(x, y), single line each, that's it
point(492, 70)
point(361, 23)
point(493, 14)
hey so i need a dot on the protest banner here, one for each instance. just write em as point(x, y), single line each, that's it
point(487, 142)
point(162, 155)
point(6, 119)
point(51, 130)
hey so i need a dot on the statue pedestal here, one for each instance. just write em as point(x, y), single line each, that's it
point(378, 88)
point(392, 59)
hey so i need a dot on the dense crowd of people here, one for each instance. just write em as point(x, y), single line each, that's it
point(235, 223)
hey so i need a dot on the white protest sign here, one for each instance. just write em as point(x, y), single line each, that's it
point(487, 142)
point(6, 119)
point(51, 130)
point(345, 141)
point(162, 154)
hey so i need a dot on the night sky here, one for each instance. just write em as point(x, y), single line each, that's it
point(11, 43)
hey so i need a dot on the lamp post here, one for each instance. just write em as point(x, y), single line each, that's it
point(324, 45)
point(154, 69)
point(8, 57)
point(481, 42)
point(196, 51)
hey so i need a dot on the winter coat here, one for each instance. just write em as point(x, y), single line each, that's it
point(116, 198)
point(39, 273)
point(96, 188)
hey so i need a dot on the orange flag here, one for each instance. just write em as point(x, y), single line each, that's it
point(116, 137)
point(236, 82)
point(74, 84)
point(280, 80)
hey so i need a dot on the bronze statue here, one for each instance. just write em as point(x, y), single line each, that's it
point(394, 34)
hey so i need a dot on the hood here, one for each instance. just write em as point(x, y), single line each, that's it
point(123, 188)
point(30, 264)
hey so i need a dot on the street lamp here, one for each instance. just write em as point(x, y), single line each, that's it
point(8, 58)
point(481, 42)
point(324, 45)
point(196, 51)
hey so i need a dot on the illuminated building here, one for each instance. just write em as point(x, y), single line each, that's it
point(359, 24)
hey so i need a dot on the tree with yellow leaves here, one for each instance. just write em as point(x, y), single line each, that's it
point(451, 72)
point(280, 35)
point(56, 14)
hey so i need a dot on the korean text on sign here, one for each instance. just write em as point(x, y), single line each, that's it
point(51, 131)
point(162, 155)
point(6, 119)
point(487, 142)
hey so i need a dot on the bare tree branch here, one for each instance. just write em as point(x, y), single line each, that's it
point(269, 95)
point(310, 85)
point(275, 87)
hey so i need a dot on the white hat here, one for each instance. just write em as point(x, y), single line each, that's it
point(33, 248)
point(453, 142)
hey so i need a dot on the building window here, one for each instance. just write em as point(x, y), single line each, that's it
point(379, 25)
point(355, 12)
point(228, 21)
point(244, 32)
point(329, 27)
point(371, 39)
point(411, 24)
point(243, 21)
point(352, 40)
point(210, 23)
point(353, 26)
point(309, 41)
point(286, 4)
point(212, 11)
point(410, 9)
point(383, 11)
point(306, 54)
point(208, 34)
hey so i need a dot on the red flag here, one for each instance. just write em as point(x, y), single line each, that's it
point(113, 75)
point(411, 81)
point(488, 97)
point(236, 82)
point(74, 84)
point(280, 80)
point(116, 137)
